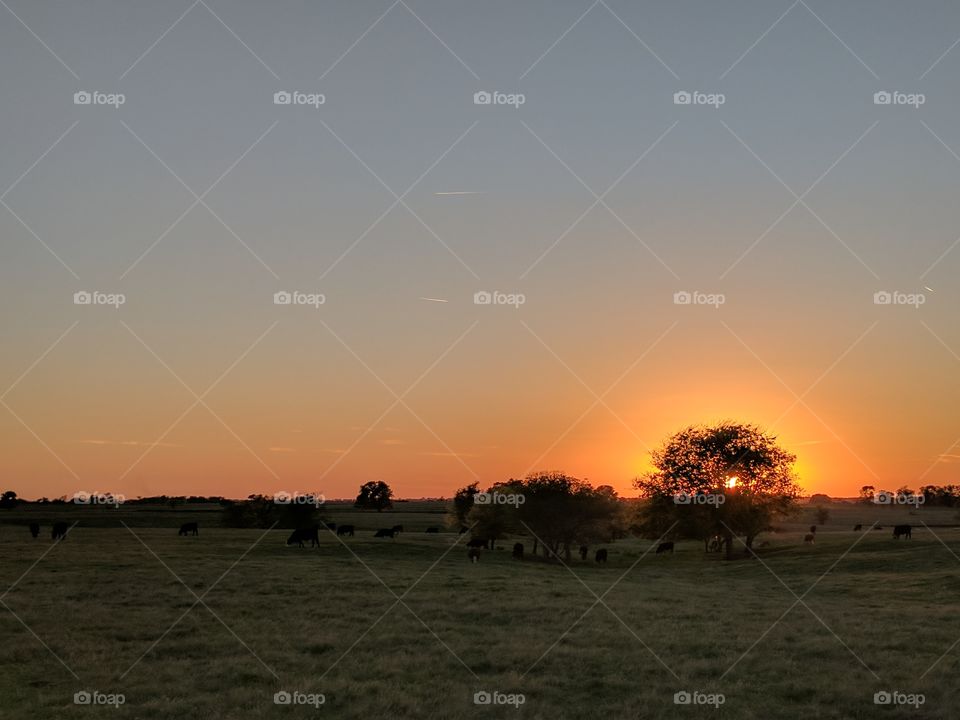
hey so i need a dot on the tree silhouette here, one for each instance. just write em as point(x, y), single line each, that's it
point(374, 495)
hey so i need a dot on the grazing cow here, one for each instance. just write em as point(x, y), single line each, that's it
point(477, 543)
point(301, 535)
point(35, 529)
point(583, 552)
point(665, 547)
point(899, 530)
point(473, 554)
point(189, 529)
point(518, 551)
point(808, 538)
point(858, 527)
point(398, 528)
point(813, 529)
point(601, 555)
point(433, 529)
point(385, 532)
point(345, 530)
point(59, 531)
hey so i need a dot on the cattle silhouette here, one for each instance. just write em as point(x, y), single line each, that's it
point(398, 528)
point(813, 529)
point(473, 554)
point(858, 527)
point(59, 531)
point(189, 529)
point(664, 547)
point(301, 535)
point(518, 551)
point(600, 556)
point(477, 543)
point(808, 538)
point(345, 530)
point(583, 552)
point(35, 529)
point(899, 530)
point(385, 532)
point(433, 529)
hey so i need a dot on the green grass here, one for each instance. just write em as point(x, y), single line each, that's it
point(324, 620)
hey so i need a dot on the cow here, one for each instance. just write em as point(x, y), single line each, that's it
point(473, 554)
point(665, 547)
point(189, 529)
point(59, 531)
point(600, 556)
point(518, 551)
point(813, 529)
point(35, 529)
point(301, 535)
point(899, 530)
point(433, 529)
point(477, 543)
point(345, 530)
point(858, 527)
point(583, 552)
point(385, 532)
point(808, 538)
point(398, 528)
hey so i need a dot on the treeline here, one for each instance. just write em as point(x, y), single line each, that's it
point(936, 495)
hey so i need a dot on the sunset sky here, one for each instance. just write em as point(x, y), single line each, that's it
point(399, 198)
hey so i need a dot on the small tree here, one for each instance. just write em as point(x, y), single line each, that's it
point(867, 493)
point(374, 495)
point(463, 503)
point(8, 500)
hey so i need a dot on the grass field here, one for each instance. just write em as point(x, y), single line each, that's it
point(115, 610)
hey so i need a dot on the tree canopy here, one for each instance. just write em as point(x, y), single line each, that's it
point(374, 495)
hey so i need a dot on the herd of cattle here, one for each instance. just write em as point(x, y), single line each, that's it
point(312, 535)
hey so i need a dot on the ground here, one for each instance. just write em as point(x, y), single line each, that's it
point(407, 628)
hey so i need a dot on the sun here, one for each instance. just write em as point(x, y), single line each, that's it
point(732, 481)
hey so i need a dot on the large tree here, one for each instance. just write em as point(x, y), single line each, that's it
point(374, 495)
point(735, 478)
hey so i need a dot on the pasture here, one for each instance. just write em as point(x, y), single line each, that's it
point(213, 626)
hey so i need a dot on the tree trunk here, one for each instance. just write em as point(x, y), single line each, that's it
point(534, 547)
point(566, 551)
point(728, 540)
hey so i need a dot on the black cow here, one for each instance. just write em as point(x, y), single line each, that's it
point(601, 555)
point(433, 529)
point(858, 527)
point(583, 552)
point(808, 538)
point(189, 529)
point(473, 554)
point(35, 529)
point(665, 547)
point(477, 543)
point(59, 531)
point(385, 532)
point(518, 551)
point(345, 530)
point(398, 528)
point(813, 529)
point(301, 535)
point(899, 530)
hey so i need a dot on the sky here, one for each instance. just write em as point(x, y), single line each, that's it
point(587, 198)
